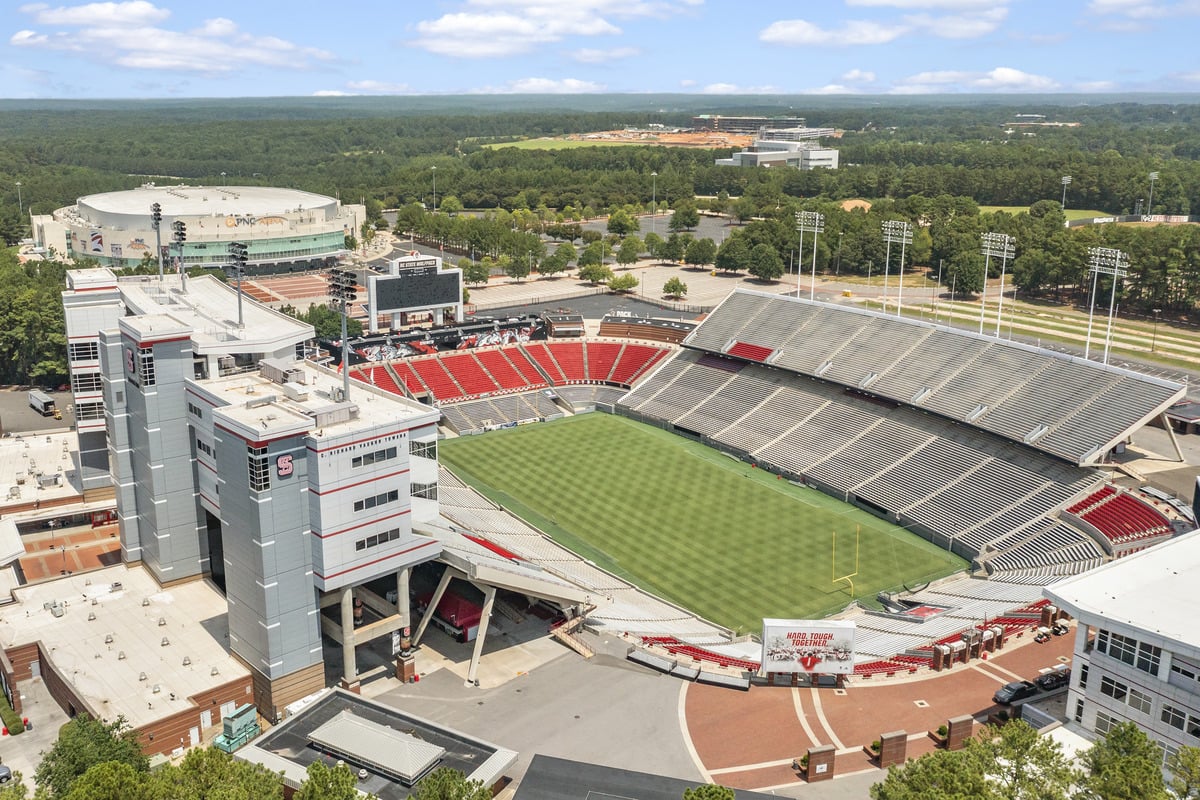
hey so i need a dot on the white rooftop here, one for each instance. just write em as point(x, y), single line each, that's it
point(195, 624)
point(205, 304)
point(1153, 591)
point(51, 454)
point(273, 408)
point(177, 201)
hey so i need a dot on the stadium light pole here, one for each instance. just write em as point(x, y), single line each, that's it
point(838, 273)
point(654, 203)
point(895, 231)
point(20, 203)
point(1001, 246)
point(1066, 181)
point(156, 223)
point(1149, 205)
point(237, 265)
point(814, 223)
point(433, 169)
point(179, 228)
point(1154, 339)
point(342, 290)
point(1112, 262)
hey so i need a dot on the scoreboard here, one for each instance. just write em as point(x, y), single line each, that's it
point(415, 289)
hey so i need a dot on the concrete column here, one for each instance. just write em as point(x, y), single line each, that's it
point(349, 664)
point(489, 599)
point(403, 609)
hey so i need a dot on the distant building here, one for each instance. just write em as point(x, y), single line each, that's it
point(282, 228)
point(796, 147)
point(1137, 646)
point(717, 122)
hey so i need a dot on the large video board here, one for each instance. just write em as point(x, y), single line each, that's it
point(415, 288)
point(806, 645)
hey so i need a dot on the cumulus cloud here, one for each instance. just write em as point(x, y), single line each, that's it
point(498, 28)
point(831, 88)
point(858, 76)
point(543, 86)
point(378, 87)
point(733, 88)
point(1095, 86)
point(591, 55)
point(125, 34)
point(854, 32)
point(960, 26)
point(1000, 79)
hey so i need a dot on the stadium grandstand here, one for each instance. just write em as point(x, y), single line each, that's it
point(983, 446)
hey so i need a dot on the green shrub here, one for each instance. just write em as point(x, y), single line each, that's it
point(942, 731)
point(11, 720)
point(876, 745)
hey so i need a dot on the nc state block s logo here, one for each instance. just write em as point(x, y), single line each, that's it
point(283, 466)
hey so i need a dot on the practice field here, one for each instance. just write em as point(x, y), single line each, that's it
point(1070, 213)
point(727, 541)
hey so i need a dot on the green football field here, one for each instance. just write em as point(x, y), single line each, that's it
point(727, 541)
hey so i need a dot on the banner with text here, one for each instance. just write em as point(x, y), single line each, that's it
point(805, 645)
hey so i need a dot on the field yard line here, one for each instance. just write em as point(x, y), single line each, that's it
point(816, 699)
point(687, 736)
point(800, 715)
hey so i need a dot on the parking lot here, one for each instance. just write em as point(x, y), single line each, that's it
point(17, 417)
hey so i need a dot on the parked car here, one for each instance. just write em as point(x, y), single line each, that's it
point(5, 774)
point(1055, 679)
point(1012, 692)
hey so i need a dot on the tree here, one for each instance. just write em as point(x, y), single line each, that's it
point(450, 205)
point(113, 780)
point(1021, 764)
point(625, 282)
point(674, 287)
point(82, 743)
point(475, 271)
point(940, 775)
point(1124, 765)
point(685, 218)
point(700, 252)
point(592, 255)
point(1184, 767)
point(733, 255)
point(709, 791)
point(328, 783)
point(518, 268)
point(450, 784)
point(621, 223)
point(15, 789)
point(674, 247)
point(207, 773)
point(595, 273)
point(367, 232)
point(653, 244)
point(631, 248)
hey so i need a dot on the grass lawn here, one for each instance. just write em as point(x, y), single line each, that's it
point(566, 144)
point(729, 542)
point(1070, 213)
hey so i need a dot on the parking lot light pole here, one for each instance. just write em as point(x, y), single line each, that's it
point(1154, 339)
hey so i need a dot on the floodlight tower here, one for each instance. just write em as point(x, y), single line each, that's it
point(1001, 246)
point(654, 203)
point(237, 267)
point(342, 289)
point(1066, 181)
point(156, 223)
point(814, 223)
point(1149, 205)
point(899, 232)
point(180, 236)
point(1112, 262)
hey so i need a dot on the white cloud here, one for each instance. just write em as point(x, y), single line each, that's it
point(858, 76)
point(947, 5)
point(497, 28)
point(733, 88)
point(1095, 86)
point(960, 26)
point(135, 12)
point(378, 87)
point(123, 34)
point(853, 32)
point(831, 88)
point(543, 86)
point(1000, 79)
point(687, 83)
point(332, 93)
point(1144, 9)
point(591, 55)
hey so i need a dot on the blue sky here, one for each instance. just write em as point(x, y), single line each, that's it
point(217, 48)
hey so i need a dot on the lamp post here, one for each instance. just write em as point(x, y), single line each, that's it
point(20, 203)
point(999, 245)
point(838, 273)
point(814, 223)
point(1066, 181)
point(1112, 262)
point(654, 203)
point(342, 290)
point(1149, 205)
point(156, 223)
point(222, 178)
point(1154, 339)
point(433, 169)
point(237, 266)
point(895, 230)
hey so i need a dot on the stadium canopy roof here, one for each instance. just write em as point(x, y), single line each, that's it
point(1063, 405)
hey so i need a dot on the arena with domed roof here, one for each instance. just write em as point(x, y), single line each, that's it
point(283, 229)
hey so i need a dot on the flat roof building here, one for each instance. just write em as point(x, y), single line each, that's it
point(282, 228)
point(735, 124)
point(233, 459)
point(1137, 646)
